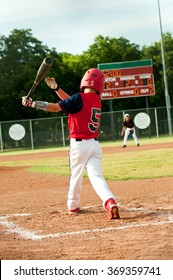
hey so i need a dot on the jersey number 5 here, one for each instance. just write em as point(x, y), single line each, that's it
point(95, 118)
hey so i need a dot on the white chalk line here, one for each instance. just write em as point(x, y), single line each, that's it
point(12, 228)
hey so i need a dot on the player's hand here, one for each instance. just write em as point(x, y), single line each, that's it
point(26, 102)
point(51, 83)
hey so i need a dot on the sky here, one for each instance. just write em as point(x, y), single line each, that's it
point(72, 25)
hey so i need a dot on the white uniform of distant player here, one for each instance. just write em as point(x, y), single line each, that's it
point(128, 127)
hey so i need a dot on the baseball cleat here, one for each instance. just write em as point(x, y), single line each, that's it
point(114, 213)
point(112, 209)
point(124, 146)
point(74, 211)
point(138, 145)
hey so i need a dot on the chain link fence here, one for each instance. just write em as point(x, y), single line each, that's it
point(53, 132)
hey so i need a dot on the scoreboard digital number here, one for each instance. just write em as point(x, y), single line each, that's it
point(128, 79)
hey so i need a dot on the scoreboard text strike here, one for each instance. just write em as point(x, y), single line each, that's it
point(128, 79)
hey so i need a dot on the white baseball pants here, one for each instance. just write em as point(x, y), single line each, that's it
point(127, 132)
point(86, 154)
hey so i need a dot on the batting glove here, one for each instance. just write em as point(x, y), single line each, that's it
point(52, 83)
point(28, 102)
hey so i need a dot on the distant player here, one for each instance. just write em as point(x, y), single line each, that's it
point(84, 112)
point(128, 127)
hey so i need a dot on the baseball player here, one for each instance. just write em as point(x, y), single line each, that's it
point(84, 112)
point(128, 127)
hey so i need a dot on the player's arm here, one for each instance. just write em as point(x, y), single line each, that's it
point(41, 105)
point(51, 82)
point(70, 105)
point(53, 107)
point(62, 94)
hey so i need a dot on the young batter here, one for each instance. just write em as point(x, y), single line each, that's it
point(84, 112)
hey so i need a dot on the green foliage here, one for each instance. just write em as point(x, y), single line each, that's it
point(110, 50)
point(21, 54)
point(154, 52)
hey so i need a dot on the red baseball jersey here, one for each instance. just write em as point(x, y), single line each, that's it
point(84, 113)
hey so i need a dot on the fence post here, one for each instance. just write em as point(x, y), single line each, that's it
point(31, 133)
point(1, 138)
point(112, 120)
point(63, 135)
point(156, 122)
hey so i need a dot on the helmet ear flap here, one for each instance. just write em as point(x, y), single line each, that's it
point(93, 78)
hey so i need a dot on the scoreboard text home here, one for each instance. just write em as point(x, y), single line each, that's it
point(128, 79)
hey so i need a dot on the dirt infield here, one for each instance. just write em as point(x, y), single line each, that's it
point(34, 223)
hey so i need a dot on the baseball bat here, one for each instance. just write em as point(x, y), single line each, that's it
point(41, 73)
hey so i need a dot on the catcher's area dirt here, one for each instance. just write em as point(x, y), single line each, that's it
point(34, 223)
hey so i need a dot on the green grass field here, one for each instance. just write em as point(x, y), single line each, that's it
point(138, 164)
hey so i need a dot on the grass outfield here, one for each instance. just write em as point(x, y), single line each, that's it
point(138, 164)
point(143, 141)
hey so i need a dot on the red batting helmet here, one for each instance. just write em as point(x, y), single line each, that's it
point(93, 78)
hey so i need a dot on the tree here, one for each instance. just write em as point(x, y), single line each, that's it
point(20, 55)
point(154, 52)
point(105, 50)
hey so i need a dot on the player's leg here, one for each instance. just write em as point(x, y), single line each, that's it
point(125, 137)
point(135, 138)
point(77, 164)
point(94, 171)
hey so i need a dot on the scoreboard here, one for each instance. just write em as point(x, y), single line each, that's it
point(128, 79)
